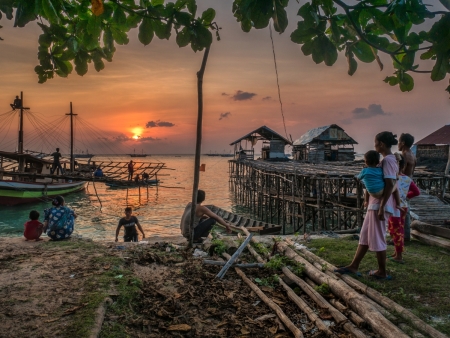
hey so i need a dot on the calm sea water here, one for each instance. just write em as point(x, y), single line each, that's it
point(159, 212)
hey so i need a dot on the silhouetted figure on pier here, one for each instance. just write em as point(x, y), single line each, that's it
point(17, 103)
point(130, 170)
point(56, 163)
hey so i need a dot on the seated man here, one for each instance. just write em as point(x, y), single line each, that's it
point(204, 219)
point(98, 172)
point(17, 103)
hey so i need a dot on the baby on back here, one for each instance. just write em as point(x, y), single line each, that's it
point(372, 175)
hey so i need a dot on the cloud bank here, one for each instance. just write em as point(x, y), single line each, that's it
point(242, 96)
point(158, 123)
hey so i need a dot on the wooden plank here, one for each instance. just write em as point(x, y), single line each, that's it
point(431, 240)
point(431, 229)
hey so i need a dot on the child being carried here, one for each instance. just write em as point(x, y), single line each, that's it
point(372, 175)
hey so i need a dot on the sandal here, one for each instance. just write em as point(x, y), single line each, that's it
point(372, 274)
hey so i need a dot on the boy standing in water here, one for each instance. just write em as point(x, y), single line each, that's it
point(129, 222)
point(33, 228)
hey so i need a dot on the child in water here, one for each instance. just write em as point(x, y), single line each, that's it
point(33, 228)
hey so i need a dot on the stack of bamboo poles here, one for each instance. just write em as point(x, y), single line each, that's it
point(358, 305)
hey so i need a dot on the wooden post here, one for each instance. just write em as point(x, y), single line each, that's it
point(198, 143)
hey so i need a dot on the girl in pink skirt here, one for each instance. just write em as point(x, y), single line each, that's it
point(373, 231)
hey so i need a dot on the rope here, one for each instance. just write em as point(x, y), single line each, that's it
point(278, 84)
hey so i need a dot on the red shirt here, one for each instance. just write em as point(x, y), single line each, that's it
point(33, 230)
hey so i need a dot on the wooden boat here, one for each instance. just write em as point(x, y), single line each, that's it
point(18, 181)
point(138, 155)
point(19, 187)
point(83, 155)
point(237, 220)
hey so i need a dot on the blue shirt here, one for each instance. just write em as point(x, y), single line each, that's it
point(372, 178)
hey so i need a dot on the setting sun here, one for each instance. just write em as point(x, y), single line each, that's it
point(137, 132)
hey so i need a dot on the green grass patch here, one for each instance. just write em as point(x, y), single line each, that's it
point(278, 262)
point(219, 246)
point(420, 285)
point(98, 287)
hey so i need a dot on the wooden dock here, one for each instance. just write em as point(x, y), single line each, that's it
point(307, 197)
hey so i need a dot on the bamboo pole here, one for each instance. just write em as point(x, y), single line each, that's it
point(286, 321)
point(198, 144)
point(358, 303)
point(387, 303)
point(306, 309)
point(321, 302)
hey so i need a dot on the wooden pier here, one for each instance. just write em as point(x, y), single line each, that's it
point(306, 197)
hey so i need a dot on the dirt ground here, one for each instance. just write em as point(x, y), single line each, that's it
point(50, 289)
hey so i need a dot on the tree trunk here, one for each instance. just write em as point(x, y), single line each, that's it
point(198, 143)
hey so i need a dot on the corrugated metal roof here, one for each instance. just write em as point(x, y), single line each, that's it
point(312, 134)
point(440, 136)
point(265, 133)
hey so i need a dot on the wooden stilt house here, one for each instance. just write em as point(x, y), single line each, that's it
point(434, 146)
point(327, 143)
point(272, 147)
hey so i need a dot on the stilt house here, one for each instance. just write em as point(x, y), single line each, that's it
point(272, 147)
point(327, 143)
point(435, 145)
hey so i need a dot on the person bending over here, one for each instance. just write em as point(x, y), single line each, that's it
point(129, 223)
point(204, 219)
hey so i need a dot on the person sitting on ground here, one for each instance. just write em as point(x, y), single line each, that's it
point(33, 228)
point(136, 179)
point(59, 220)
point(98, 172)
point(17, 103)
point(129, 223)
point(396, 226)
point(204, 219)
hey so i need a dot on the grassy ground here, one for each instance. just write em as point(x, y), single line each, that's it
point(420, 285)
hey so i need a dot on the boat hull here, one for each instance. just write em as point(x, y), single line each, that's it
point(14, 193)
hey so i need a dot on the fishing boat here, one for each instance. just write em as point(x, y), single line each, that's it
point(131, 184)
point(83, 155)
point(24, 176)
point(139, 155)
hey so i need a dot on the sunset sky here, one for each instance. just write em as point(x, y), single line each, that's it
point(152, 91)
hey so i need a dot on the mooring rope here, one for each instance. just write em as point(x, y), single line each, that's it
point(278, 83)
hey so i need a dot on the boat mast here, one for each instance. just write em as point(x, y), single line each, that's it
point(20, 146)
point(72, 159)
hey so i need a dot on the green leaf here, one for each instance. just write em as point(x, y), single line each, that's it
point(208, 16)
point(324, 50)
point(363, 52)
point(157, 2)
point(64, 68)
point(445, 3)
point(352, 65)
point(133, 20)
point(45, 40)
point(146, 31)
point(50, 12)
point(183, 18)
point(161, 29)
point(183, 37)
point(192, 7)
point(108, 39)
point(119, 18)
point(303, 33)
point(201, 38)
point(280, 20)
point(406, 83)
point(307, 48)
point(335, 33)
point(81, 63)
point(94, 26)
point(428, 54)
point(392, 80)
point(119, 36)
point(24, 13)
point(440, 68)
